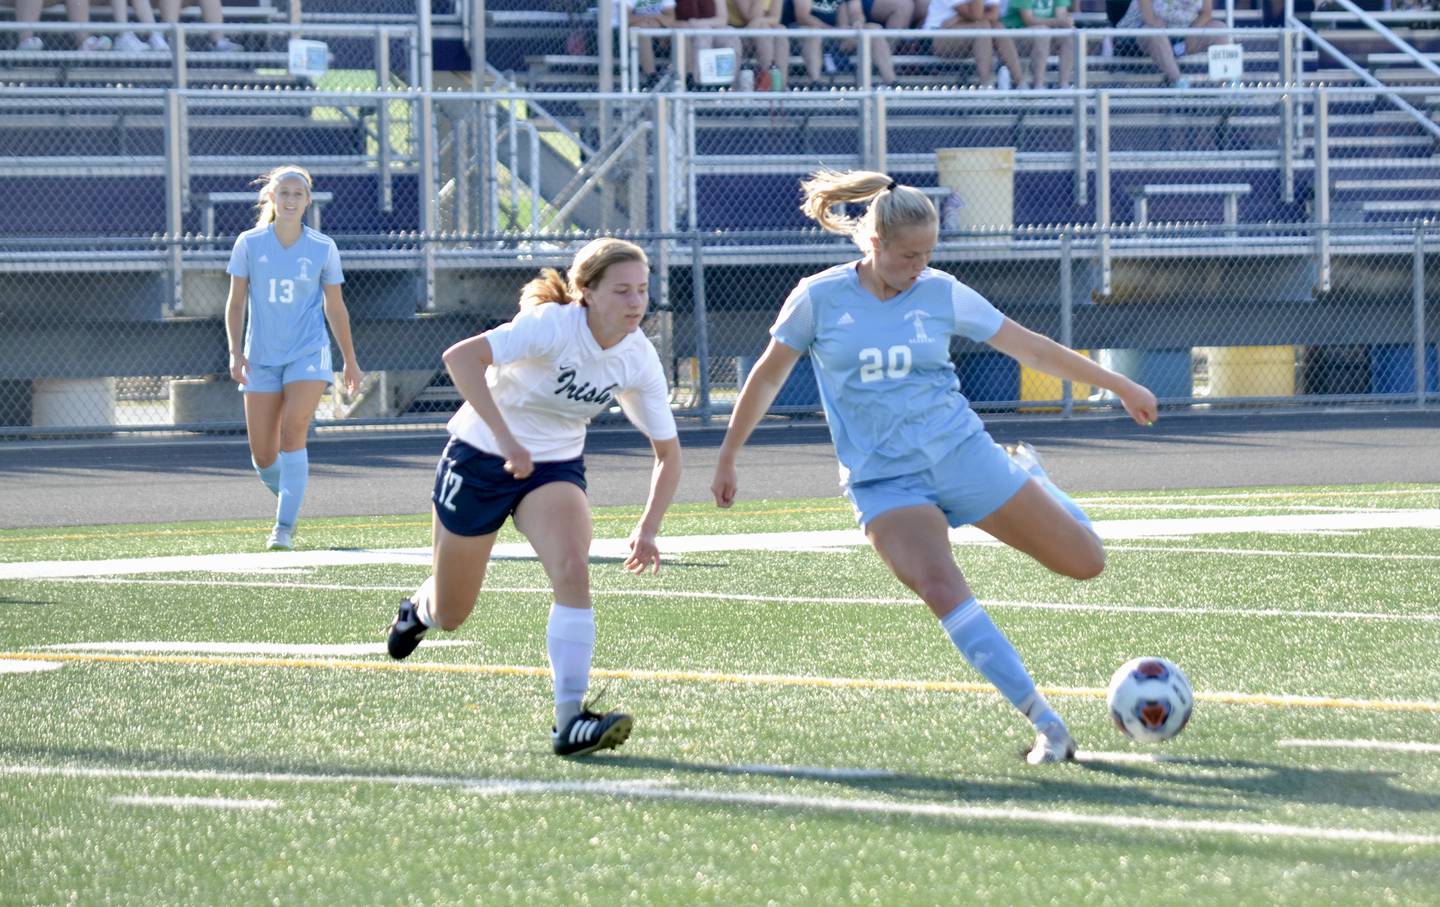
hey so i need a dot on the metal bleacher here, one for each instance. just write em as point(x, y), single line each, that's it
point(123, 172)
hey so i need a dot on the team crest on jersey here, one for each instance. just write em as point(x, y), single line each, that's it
point(304, 268)
point(917, 318)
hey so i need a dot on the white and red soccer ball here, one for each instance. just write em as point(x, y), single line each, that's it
point(1150, 699)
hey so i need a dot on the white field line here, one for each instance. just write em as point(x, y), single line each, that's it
point(321, 650)
point(194, 802)
point(16, 666)
point(1396, 745)
point(1097, 607)
point(1261, 552)
point(1270, 495)
point(492, 787)
point(1177, 527)
point(1045, 818)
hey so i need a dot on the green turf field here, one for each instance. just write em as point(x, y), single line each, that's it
point(805, 734)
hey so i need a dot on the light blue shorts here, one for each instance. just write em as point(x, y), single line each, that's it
point(270, 379)
point(968, 485)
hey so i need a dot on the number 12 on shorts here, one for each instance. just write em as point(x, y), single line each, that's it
point(449, 487)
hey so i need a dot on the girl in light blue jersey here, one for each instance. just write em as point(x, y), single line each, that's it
point(913, 456)
point(287, 277)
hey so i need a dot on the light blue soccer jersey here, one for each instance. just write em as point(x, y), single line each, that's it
point(287, 297)
point(886, 379)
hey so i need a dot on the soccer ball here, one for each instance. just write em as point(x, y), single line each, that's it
point(1150, 699)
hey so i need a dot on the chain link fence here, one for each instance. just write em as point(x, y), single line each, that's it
point(1204, 315)
point(1214, 243)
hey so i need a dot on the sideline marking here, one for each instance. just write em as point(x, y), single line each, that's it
point(188, 802)
point(18, 666)
point(1397, 745)
point(1178, 527)
point(1180, 610)
point(491, 787)
point(242, 648)
point(760, 680)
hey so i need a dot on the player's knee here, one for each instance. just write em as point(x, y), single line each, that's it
point(1088, 562)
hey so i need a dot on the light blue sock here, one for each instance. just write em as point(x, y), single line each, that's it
point(989, 652)
point(294, 476)
point(270, 475)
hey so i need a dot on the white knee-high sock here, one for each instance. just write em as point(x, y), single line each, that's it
point(570, 642)
point(424, 602)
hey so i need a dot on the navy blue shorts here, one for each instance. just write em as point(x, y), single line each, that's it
point(474, 495)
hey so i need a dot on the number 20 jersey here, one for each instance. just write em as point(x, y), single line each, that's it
point(883, 367)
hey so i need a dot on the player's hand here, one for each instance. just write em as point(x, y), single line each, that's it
point(518, 462)
point(1140, 404)
point(239, 365)
point(724, 485)
point(352, 378)
point(644, 553)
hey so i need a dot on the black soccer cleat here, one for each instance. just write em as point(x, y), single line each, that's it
point(406, 632)
point(590, 731)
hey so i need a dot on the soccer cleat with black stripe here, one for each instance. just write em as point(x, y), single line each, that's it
point(406, 631)
point(590, 731)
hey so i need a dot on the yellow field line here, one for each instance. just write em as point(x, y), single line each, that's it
point(424, 523)
point(775, 680)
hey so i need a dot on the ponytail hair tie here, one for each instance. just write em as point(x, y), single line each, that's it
point(891, 186)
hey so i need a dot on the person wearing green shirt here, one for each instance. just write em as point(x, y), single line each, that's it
point(1044, 14)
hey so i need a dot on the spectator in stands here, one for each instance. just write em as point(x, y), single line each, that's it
point(975, 16)
point(650, 14)
point(516, 450)
point(1045, 14)
point(77, 11)
point(768, 52)
point(915, 459)
point(1168, 14)
point(287, 277)
point(708, 14)
point(210, 12)
point(846, 14)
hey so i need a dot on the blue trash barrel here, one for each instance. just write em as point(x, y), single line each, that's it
point(1392, 369)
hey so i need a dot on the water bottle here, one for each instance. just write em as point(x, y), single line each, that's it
point(777, 78)
point(747, 79)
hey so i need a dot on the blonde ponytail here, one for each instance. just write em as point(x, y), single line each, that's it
point(892, 206)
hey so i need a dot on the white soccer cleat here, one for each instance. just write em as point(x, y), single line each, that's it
point(281, 539)
point(1053, 743)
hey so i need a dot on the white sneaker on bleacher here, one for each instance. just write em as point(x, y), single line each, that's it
point(158, 42)
point(96, 42)
point(31, 43)
point(225, 46)
point(130, 43)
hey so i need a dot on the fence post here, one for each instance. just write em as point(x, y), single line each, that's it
point(1082, 126)
point(1417, 272)
point(1287, 119)
point(1102, 185)
point(175, 192)
point(702, 328)
point(1067, 320)
point(382, 120)
point(428, 222)
point(1322, 190)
